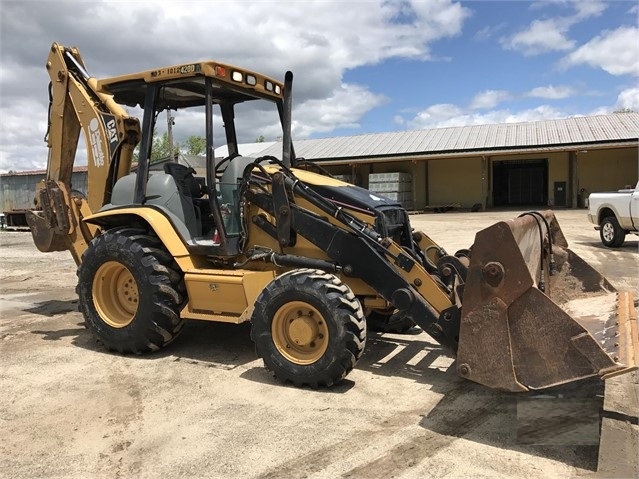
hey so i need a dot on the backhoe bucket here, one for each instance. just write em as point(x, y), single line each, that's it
point(45, 237)
point(51, 226)
point(522, 329)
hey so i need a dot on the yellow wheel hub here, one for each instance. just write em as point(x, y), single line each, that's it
point(300, 332)
point(115, 294)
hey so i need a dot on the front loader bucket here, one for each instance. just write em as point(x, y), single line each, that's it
point(522, 329)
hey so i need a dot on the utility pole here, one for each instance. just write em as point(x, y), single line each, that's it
point(170, 122)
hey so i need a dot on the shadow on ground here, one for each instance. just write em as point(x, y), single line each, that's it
point(628, 245)
point(53, 307)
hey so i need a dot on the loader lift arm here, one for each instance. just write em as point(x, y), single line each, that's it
point(361, 252)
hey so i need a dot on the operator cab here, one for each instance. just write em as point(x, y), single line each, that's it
point(189, 111)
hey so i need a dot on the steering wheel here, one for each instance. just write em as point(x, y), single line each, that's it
point(228, 158)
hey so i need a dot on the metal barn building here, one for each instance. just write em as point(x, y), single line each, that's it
point(17, 192)
point(544, 163)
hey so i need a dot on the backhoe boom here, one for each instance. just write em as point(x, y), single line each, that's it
point(76, 103)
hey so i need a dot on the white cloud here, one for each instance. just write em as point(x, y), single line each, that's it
point(22, 145)
point(616, 52)
point(551, 92)
point(489, 31)
point(450, 115)
point(551, 34)
point(458, 117)
point(583, 8)
point(342, 109)
point(587, 9)
point(628, 99)
point(399, 120)
point(435, 115)
point(541, 36)
point(319, 41)
point(489, 99)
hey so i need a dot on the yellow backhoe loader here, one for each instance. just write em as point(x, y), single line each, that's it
point(302, 256)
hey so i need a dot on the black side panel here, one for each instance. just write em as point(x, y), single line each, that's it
point(352, 195)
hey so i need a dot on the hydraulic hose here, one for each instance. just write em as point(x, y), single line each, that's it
point(542, 282)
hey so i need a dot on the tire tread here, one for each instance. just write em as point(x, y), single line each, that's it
point(340, 298)
point(157, 323)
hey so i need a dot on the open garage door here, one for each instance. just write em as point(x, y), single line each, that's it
point(520, 182)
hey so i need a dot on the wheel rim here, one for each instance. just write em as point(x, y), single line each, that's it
point(115, 294)
point(300, 332)
point(608, 232)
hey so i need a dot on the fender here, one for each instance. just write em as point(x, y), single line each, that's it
point(157, 220)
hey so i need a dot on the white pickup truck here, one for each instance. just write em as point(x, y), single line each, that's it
point(615, 214)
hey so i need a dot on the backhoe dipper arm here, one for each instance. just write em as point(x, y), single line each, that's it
point(110, 137)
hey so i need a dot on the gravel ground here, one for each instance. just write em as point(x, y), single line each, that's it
point(205, 406)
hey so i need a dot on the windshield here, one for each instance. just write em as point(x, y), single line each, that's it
point(180, 137)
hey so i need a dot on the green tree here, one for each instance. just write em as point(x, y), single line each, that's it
point(195, 145)
point(260, 139)
point(161, 149)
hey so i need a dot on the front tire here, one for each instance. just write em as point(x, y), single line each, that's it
point(611, 233)
point(130, 291)
point(309, 328)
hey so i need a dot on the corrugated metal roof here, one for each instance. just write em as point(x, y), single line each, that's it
point(577, 131)
point(39, 172)
point(547, 135)
point(245, 149)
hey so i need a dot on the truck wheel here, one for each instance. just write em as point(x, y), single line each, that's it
point(130, 291)
point(309, 328)
point(385, 323)
point(612, 235)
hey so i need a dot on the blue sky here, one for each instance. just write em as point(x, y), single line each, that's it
point(360, 66)
point(496, 67)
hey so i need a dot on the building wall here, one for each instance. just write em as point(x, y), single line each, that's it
point(17, 191)
point(456, 180)
point(420, 184)
point(607, 170)
point(558, 170)
point(459, 180)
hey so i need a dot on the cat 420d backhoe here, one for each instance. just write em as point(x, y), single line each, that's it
point(302, 256)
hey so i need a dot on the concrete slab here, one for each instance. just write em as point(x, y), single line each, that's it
point(619, 445)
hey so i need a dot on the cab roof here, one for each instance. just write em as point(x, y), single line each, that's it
point(184, 86)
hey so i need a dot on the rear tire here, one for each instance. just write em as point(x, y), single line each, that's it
point(309, 328)
point(130, 291)
point(611, 233)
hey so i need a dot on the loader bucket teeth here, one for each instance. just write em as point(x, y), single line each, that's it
point(516, 337)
